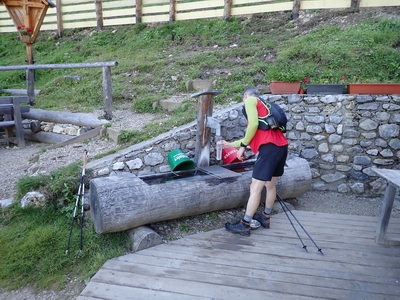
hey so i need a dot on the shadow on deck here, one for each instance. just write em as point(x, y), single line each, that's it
point(270, 263)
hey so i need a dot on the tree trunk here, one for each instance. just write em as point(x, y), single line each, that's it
point(119, 203)
point(79, 119)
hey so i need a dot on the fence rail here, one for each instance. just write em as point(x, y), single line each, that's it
point(107, 81)
point(71, 14)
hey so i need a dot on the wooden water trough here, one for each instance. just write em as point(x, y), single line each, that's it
point(118, 203)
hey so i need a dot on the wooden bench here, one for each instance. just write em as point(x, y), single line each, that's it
point(393, 183)
point(11, 110)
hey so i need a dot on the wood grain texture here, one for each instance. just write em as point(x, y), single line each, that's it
point(268, 264)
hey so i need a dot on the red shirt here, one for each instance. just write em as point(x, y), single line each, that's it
point(266, 136)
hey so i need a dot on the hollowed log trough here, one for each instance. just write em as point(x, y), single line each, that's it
point(118, 203)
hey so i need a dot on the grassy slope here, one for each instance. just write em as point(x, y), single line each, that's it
point(156, 61)
point(235, 54)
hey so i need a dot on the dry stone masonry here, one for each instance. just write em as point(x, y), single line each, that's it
point(341, 136)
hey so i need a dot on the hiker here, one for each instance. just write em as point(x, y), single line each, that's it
point(272, 148)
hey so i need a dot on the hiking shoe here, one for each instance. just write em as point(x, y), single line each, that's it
point(254, 224)
point(241, 227)
point(263, 219)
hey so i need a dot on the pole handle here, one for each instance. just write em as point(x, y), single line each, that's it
point(84, 159)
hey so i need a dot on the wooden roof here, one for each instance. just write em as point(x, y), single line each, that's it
point(28, 13)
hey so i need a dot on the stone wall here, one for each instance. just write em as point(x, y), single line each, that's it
point(342, 137)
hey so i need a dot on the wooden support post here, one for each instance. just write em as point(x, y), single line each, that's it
point(30, 75)
point(172, 10)
point(296, 9)
point(393, 183)
point(355, 5)
point(205, 108)
point(19, 132)
point(99, 14)
point(107, 91)
point(227, 9)
point(138, 11)
point(60, 27)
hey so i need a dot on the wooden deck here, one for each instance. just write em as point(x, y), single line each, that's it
point(270, 264)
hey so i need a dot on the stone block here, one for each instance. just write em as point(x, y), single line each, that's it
point(113, 134)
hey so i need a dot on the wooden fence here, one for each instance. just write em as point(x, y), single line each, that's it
point(70, 14)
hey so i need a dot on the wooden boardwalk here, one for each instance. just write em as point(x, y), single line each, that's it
point(270, 264)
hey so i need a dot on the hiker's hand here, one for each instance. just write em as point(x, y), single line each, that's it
point(240, 153)
point(226, 144)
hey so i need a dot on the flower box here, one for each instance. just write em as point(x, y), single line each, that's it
point(374, 88)
point(326, 89)
point(284, 87)
point(26, 39)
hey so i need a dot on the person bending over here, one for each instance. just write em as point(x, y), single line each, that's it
point(272, 148)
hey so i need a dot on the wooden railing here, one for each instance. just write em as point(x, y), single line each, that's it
point(70, 14)
point(107, 84)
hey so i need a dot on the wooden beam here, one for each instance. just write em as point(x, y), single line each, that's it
point(60, 27)
point(107, 92)
point(99, 14)
point(172, 10)
point(296, 9)
point(355, 4)
point(138, 11)
point(227, 9)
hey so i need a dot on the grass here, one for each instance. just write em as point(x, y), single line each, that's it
point(235, 54)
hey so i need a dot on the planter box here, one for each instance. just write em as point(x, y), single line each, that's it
point(283, 87)
point(374, 88)
point(326, 89)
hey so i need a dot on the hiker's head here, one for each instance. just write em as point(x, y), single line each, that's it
point(250, 91)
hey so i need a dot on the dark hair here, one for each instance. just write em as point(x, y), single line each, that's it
point(251, 91)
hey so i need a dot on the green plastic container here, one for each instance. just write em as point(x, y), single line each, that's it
point(178, 160)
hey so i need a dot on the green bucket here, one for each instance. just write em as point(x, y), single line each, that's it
point(178, 160)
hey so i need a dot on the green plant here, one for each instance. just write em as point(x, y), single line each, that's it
point(285, 72)
point(184, 227)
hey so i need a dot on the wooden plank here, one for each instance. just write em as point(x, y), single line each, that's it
point(245, 10)
point(206, 272)
point(280, 264)
point(378, 3)
point(5, 124)
point(323, 4)
point(155, 9)
point(269, 263)
point(189, 287)
point(199, 5)
point(393, 176)
point(120, 21)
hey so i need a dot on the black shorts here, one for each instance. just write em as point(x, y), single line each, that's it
point(270, 162)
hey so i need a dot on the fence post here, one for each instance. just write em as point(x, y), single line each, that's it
point(99, 15)
point(107, 93)
point(138, 11)
point(172, 10)
point(227, 9)
point(296, 9)
point(30, 75)
point(59, 18)
point(355, 4)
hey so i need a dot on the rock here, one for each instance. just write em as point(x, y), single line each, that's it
point(35, 199)
point(5, 203)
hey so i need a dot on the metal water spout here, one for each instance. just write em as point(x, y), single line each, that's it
point(216, 125)
point(204, 123)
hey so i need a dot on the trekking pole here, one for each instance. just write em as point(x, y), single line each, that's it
point(82, 184)
point(79, 197)
point(285, 209)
